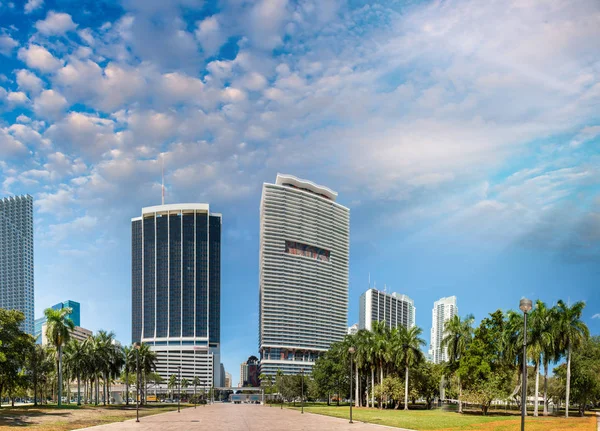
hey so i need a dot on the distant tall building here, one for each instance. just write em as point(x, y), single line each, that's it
point(443, 310)
point(222, 376)
point(16, 257)
point(75, 317)
point(353, 330)
point(243, 373)
point(228, 382)
point(393, 308)
point(78, 333)
point(176, 288)
point(303, 274)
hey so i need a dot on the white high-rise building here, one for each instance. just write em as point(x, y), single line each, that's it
point(303, 274)
point(353, 330)
point(393, 308)
point(443, 310)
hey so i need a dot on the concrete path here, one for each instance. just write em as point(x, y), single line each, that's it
point(598, 420)
point(240, 417)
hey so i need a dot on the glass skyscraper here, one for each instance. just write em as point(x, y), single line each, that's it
point(303, 274)
point(16, 257)
point(176, 288)
point(443, 310)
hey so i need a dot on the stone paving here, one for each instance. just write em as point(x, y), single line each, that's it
point(240, 417)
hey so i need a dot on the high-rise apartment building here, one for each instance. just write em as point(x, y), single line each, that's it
point(353, 330)
point(303, 274)
point(393, 308)
point(75, 317)
point(16, 257)
point(228, 383)
point(443, 310)
point(176, 288)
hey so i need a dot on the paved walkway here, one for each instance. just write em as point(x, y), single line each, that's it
point(240, 417)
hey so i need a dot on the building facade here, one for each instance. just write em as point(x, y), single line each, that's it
point(80, 334)
point(353, 330)
point(228, 382)
point(303, 274)
point(176, 288)
point(16, 257)
point(393, 308)
point(75, 317)
point(443, 310)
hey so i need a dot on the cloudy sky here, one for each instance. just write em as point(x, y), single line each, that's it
point(463, 135)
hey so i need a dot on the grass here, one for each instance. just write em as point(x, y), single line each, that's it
point(70, 417)
point(425, 420)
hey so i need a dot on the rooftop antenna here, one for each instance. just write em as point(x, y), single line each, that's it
point(384, 288)
point(369, 280)
point(162, 185)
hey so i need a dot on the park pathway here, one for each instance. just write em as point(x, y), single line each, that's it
point(240, 417)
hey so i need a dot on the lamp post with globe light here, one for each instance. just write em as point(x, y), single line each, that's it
point(351, 350)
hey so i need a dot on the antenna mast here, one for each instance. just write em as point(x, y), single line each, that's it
point(162, 185)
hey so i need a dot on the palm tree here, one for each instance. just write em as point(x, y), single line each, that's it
point(184, 384)
point(39, 365)
point(75, 361)
point(148, 360)
point(457, 337)
point(572, 332)
point(381, 345)
point(129, 363)
point(409, 343)
point(539, 345)
point(196, 382)
point(172, 384)
point(59, 328)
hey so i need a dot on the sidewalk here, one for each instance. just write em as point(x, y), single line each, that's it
point(240, 417)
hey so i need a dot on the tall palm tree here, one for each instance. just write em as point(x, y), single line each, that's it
point(58, 332)
point(539, 346)
point(457, 337)
point(129, 364)
point(172, 384)
point(572, 333)
point(381, 345)
point(148, 360)
point(184, 384)
point(39, 366)
point(409, 344)
point(75, 361)
point(196, 382)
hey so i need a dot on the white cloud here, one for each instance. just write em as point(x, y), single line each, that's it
point(32, 5)
point(58, 203)
point(38, 57)
point(27, 135)
point(210, 35)
point(86, 35)
point(50, 104)
point(78, 226)
point(29, 81)
point(7, 44)
point(596, 316)
point(24, 119)
point(9, 146)
point(56, 24)
point(585, 135)
point(17, 98)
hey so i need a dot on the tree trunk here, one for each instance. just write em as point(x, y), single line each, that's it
point(104, 388)
point(356, 389)
point(127, 387)
point(568, 381)
point(381, 383)
point(35, 392)
point(59, 375)
point(78, 391)
point(537, 388)
point(460, 410)
point(406, 388)
point(545, 387)
point(372, 387)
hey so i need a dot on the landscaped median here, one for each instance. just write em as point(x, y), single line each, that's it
point(424, 420)
point(70, 417)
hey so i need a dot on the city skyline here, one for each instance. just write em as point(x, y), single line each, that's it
point(467, 152)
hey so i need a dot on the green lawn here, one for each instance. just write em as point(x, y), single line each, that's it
point(424, 420)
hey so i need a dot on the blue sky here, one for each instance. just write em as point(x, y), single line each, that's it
point(463, 135)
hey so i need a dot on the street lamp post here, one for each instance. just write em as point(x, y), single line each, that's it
point(302, 399)
point(137, 383)
point(195, 383)
point(351, 350)
point(179, 389)
point(525, 305)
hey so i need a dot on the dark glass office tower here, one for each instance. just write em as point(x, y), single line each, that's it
point(16, 257)
point(176, 288)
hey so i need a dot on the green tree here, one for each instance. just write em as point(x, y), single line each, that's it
point(58, 332)
point(572, 334)
point(39, 366)
point(457, 337)
point(540, 346)
point(408, 347)
point(172, 383)
point(75, 361)
point(427, 376)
